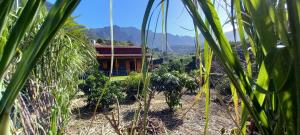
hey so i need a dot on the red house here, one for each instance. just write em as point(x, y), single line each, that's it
point(126, 59)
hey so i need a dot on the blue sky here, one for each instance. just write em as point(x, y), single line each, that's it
point(129, 13)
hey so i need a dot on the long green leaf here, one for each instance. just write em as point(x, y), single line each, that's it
point(18, 33)
point(144, 62)
point(224, 59)
point(5, 6)
point(55, 19)
point(263, 22)
point(208, 55)
point(294, 22)
point(242, 36)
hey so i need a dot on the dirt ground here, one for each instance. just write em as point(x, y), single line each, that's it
point(193, 123)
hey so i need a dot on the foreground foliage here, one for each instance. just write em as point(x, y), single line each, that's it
point(22, 44)
point(270, 28)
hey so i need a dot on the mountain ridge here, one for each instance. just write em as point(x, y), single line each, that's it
point(133, 34)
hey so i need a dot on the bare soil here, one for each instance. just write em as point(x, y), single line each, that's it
point(82, 121)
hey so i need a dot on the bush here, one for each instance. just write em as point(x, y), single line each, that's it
point(192, 65)
point(96, 88)
point(133, 84)
point(189, 83)
point(175, 66)
point(93, 81)
point(156, 82)
point(172, 90)
point(113, 92)
point(170, 84)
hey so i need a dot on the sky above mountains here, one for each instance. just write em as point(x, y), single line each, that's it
point(129, 13)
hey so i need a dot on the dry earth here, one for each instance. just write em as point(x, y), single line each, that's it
point(173, 124)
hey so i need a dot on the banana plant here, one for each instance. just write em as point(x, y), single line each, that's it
point(34, 50)
point(269, 31)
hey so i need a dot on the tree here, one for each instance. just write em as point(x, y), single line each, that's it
point(99, 41)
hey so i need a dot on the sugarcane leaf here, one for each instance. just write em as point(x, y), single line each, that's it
point(55, 19)
point(279, 67)
point(242, 36)
point(15, 37)
point(227, 58)
point(208, 55)
point(5, 6)
point(293, 7)
point(263, 22)
point(144, 62)
point(288, 102)
point(18, 33)
point(235, 99)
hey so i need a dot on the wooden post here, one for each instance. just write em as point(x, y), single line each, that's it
point(117, 65)
point(138, 66)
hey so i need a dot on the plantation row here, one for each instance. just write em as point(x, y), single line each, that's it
point(167, 79)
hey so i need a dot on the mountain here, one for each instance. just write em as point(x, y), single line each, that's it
point(134, 35)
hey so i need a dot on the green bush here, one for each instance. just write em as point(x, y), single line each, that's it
point(132, 85)
point(172, 84)
point(113, 92)
point(172, 90)
point(189, 83)
point(97, 89)
point(175, 66)
point(94, 80)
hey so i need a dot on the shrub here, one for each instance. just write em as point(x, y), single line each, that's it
point(186, 81)
point(113, 92)
point(189, 83)
point(161, 70)
point(172, 90)
point(170, 85)
point(156, 82)
point(175, 66)
point(133, 84)
point(192, 65)
point(94, 80)
point(97, 89)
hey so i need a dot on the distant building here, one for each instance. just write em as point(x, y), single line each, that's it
point(126, 59)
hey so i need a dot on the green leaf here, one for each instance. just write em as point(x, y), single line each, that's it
point(242, 36)
point(144, 62)
point(18, 33)
point(55, 19)
point(208, 55)
point(293, 7)
point(263, 22)
point(228, 60)
point(5, 6)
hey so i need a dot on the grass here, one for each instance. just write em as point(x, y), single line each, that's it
point(118, 78)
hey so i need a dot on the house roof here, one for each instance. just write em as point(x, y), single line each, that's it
point(115, 46)
point(120, 51)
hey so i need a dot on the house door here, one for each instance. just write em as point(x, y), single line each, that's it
point(122, 68)
point(132, 65)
